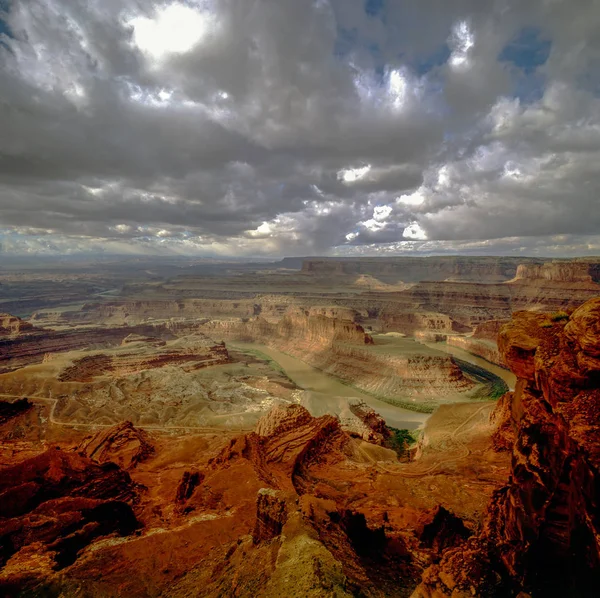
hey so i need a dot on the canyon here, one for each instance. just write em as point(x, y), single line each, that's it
point(390, 370)
point(314, 427)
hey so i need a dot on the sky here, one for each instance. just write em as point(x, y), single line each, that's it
point(300, 127)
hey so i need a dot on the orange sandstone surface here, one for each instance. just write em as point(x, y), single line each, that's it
point(499, 499)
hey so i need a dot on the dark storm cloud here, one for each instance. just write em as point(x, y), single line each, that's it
point(299, 126)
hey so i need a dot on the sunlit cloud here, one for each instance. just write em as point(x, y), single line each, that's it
point(174, 29)
point(414, 231)
point(351, 175)
point(462, 42)
point(412, 199)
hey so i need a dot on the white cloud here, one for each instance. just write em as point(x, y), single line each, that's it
point(174, 29)
point(462, 42)
point(412, 199)
point(381, 213)
point(351, 175)
point(397, 88)
point(414, 231)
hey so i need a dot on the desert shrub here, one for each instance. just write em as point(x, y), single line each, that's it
point(559, 316)
point(400, 441)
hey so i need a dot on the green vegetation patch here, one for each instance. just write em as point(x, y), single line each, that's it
point(491, 387)
point(401, 441)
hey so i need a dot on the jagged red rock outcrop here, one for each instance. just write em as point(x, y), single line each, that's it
point(297, 508)
point(123, 444)
point(373, 428)
point(542, 531)
point(52, 506)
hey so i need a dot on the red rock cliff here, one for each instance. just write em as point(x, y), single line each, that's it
point(542, 532)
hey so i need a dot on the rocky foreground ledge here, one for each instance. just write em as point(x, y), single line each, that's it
point(502, 501)
point(541, 532)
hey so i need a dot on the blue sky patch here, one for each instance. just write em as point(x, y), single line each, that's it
point(527, 51)
point(529, 89)
point(4, 28)
point(374, 7)
point(423, 65)
point(346, 41)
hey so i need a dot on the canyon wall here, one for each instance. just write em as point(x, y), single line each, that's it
point(135, 312)
point(190, 353)
point(483, 342)
point(584, 272)
point(411, 322)
point(470, 304)
point(415, 269)
point(542, 530)
point(32, 343)
point(449, 293)
point(502, 501)
point(488, 350)
point(343, 349)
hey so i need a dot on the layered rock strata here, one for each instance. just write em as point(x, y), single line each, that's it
point(12, 326)
point(192, 352)
point(542, 532)
point(296, 508)
point(343, 349)
point(30, 345)
point(562, 272)
point(483, 342)
point(408, 269)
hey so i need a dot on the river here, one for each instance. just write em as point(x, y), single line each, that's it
point(325, 394)
point(502, 373)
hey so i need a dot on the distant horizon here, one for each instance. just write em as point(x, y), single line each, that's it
point(276, 259)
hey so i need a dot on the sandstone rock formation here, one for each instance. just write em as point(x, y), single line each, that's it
point(483, 342)
point(31, 344)
point(123, 444)
point(541, 534)
point(498, 499)
point(190, 352)
point(298, 508)
point(464, 290)
point(569, 272)
point(409, 269)
point(51, 507)
point(343, 349)
point(410, 322)
point(134, 312)
point(12, 326)
point(371, 426)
